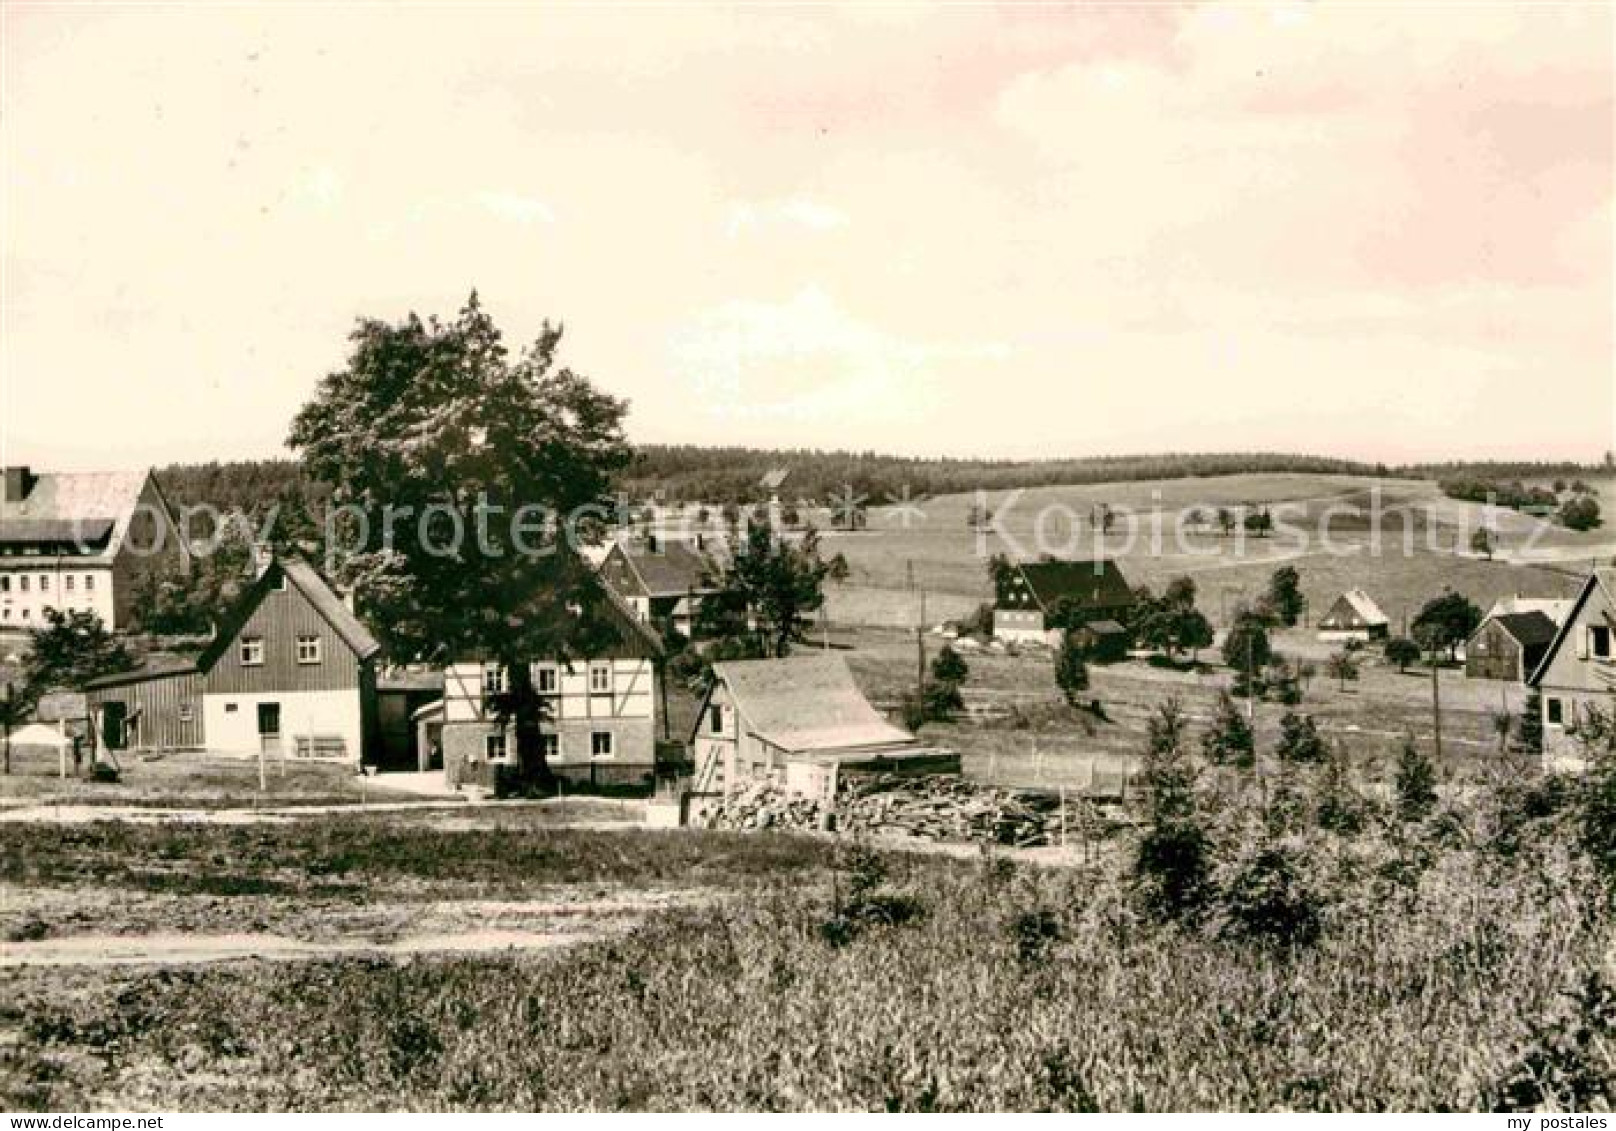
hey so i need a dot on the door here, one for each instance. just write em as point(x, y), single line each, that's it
point(113, 716)
point(269, 728)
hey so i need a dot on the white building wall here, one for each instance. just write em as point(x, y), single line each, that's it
point(230, 720)
point(70, 586)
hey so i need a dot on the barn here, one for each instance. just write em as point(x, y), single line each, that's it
point(1033, 601)
point(1509, 646)
point(290, 672)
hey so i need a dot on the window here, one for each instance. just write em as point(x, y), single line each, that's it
point(600, 743)
point(600, 678)
point(5, 584)
point(494, 747)
point(550, 745)
point(308, 649)
point(252, 651)
point(1556, 711)
point(89, 582)
point(67, 583)
point(27, 614)
point(279, 584)
point(230, 708)
point(547, 679)
point(715, 718)
point(185, 712)
point(44, 582)
point(22, 583)
point(1599, 641)
point(493, 681)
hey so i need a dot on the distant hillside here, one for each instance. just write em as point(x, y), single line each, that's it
point(722, 474)
point(688, 473)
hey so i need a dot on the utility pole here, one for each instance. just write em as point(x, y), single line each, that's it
point(1436, 708)
point(920, 650)
point(7, 724)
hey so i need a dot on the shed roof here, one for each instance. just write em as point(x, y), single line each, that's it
point(1528, 628)
point(807, 704)
point(90, 534)
point(158, 666)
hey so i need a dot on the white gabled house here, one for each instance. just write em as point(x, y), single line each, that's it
point(1578, 673)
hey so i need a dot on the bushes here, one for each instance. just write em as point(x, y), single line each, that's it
point(1269, 900)
point(1299, 739)
point(1415, 783)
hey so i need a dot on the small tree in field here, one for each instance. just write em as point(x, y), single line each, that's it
point(1071, 669)
point(1402, 651)
point(1229, 741)
point(1481, 542)
point(1284, 596)
point(949, 667)
point(1246, 650)
point(1415, 782)
point(1342, 666)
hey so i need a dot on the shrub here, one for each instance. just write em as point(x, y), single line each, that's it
point(1415, 783)
point(1071, 669)
point(1268, 900)
point(1299, 739)
point(1229, 740)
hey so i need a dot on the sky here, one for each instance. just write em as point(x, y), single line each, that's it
point(1375, 231)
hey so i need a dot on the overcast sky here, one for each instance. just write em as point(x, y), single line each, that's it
point(1381, 231)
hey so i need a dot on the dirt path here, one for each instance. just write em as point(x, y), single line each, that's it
point(590, 813)
point(451, 927)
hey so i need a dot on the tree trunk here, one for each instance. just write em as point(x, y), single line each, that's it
point(527, 710)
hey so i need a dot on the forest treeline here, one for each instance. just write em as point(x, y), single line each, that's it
point(688, 473)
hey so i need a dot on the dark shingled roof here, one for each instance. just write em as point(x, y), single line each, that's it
point(671, 570)
point(1529, 628)
point(1096, 584)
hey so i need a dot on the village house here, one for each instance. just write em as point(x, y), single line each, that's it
point(665, 581)
point(290, 673)
point(797, 722)
point(79, 541)
point(1578, 672)
point(600, 725)
point(1033, 598)
point(1513, 638)
point(1354, 616)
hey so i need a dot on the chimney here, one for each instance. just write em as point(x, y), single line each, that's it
point(19, 481)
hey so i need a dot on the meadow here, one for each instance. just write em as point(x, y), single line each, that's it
point(1423, 547)
point(1458, 960)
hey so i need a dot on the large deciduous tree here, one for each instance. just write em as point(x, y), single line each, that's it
point(778, 583)
point(462, 477)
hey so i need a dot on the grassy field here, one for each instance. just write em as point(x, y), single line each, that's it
point(1437, 972)
point(1033, 739)
point(934, 547)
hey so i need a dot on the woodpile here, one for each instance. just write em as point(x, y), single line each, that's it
point(937, 808)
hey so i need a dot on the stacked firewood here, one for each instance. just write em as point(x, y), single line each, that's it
point(937, 807)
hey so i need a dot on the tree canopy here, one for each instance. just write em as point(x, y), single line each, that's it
point(462, 477)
